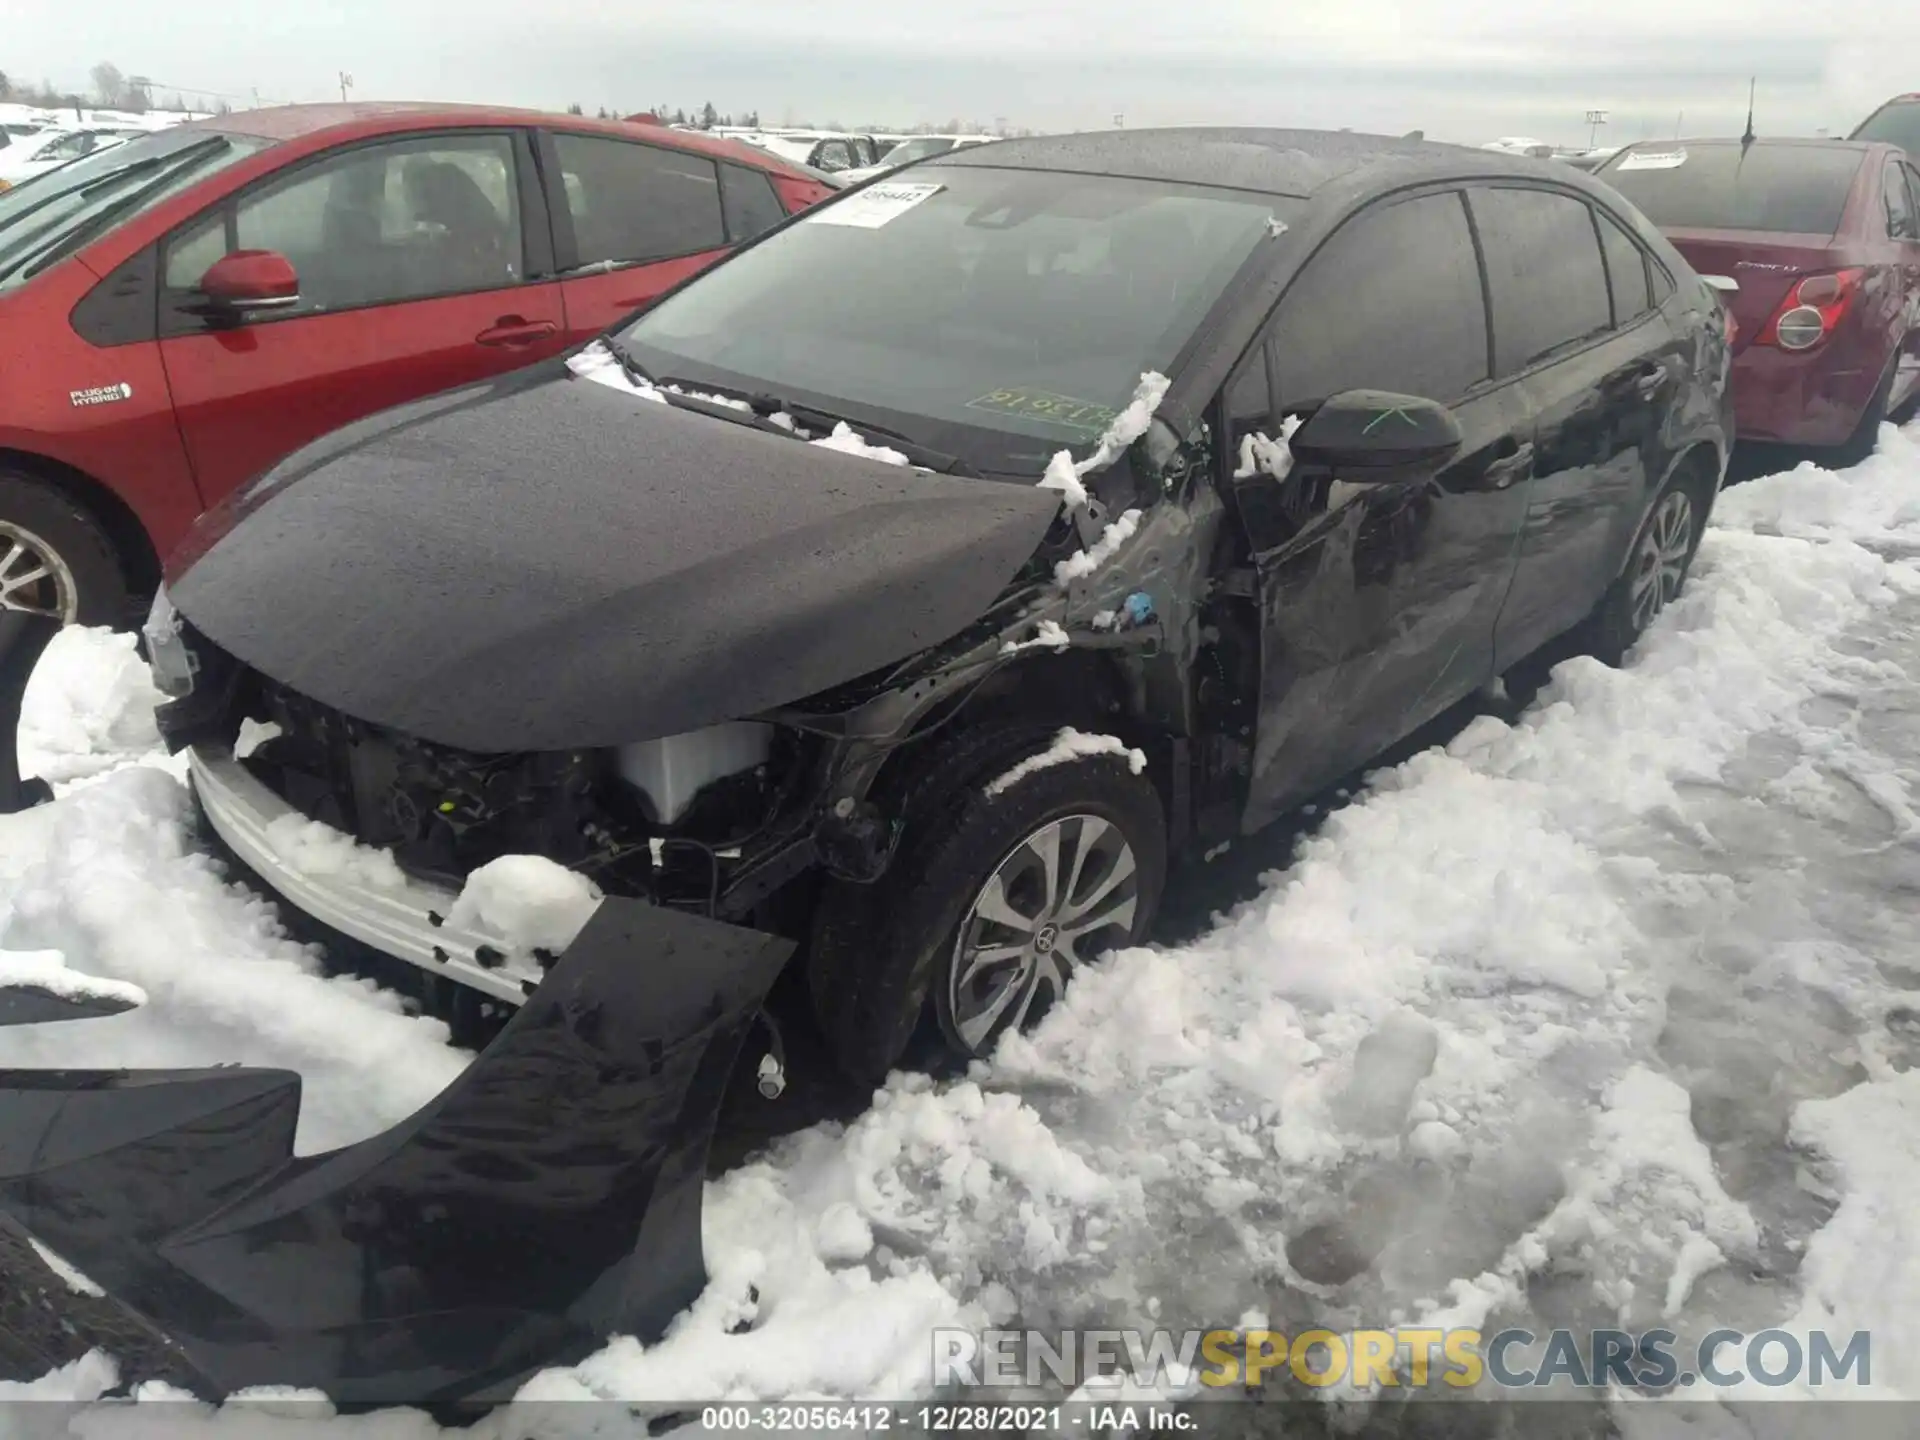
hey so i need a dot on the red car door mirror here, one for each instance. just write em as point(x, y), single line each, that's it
point(249, 281)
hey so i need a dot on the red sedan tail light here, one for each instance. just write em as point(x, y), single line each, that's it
point(1811, 310)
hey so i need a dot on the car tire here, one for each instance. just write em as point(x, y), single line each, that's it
point(886, 961)
point(41, 530)
point(1656, 569)
point(1866, 435)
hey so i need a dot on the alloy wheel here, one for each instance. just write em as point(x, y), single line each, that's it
point(1060, 897)
point(1660, 559)
point(33, 577)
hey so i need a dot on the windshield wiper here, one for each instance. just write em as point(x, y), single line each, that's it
point(766, 405)
point(173, 166)
point(630, 367)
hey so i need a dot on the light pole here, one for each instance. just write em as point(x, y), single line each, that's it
point(1595, 119)
point(346, 84)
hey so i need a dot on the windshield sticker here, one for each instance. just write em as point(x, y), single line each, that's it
point(1060, 410)
point(875, 205)
point(101, 394)
point(1652, 160)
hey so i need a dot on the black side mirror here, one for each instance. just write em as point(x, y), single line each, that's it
point(1375, 436)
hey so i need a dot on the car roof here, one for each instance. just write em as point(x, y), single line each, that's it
point(1276, 162)
point(363, 118)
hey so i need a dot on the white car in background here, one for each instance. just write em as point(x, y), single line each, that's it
point(50, 149)
point(915, 147)
point(1520, 145)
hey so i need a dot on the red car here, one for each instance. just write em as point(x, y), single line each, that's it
point(183, 310)
point(1822, 240)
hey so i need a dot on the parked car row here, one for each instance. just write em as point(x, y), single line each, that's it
point(186, 308)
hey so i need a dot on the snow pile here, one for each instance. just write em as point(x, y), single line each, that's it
point(1085, 562)
point(1070, 745)
point(529, 901)
point(88, 708)
point(1862, 1270)
point(1067, 475)
point(108, 876)
point(316, 849)
point(848, 441)
point(47, 970)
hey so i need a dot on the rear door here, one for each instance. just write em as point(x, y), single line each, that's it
point(424, 262)
point(631, 220)
point(1377, 601)
point(1575, 323)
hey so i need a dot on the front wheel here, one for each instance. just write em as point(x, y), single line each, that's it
point(1000, 890)
point(55, 559)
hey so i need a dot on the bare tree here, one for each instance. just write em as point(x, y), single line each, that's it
point(6, 86)
point(109, 85)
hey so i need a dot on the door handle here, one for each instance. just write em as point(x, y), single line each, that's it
point(511, 330)
point(1502, 473)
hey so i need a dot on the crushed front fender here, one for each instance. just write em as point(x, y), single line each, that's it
point(547, 1199)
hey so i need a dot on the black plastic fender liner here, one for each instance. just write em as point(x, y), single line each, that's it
point(547, 1199)
point(23, 637)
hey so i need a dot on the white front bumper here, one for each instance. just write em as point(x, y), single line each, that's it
point(407, 921)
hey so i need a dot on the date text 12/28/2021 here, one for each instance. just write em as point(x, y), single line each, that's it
point(858, 1418)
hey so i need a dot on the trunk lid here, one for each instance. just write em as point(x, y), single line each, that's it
point(1766, 267)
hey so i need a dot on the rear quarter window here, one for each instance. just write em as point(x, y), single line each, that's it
point(1793, 189)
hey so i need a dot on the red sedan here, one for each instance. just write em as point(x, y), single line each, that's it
point(182, 311)
point(1822, 240)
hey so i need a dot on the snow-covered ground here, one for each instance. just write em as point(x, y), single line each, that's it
point(1608, 1015)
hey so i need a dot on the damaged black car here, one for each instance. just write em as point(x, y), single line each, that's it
point(901, 599)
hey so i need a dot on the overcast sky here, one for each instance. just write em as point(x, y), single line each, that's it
point(1465, 70)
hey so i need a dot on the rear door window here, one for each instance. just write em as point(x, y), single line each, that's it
point(1783, 187)
point(1391, 302)
point(749, 201)
point(1548, 281)
point(1626, 271)
point(631, 203)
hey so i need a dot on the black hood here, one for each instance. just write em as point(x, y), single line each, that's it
point(546, 563)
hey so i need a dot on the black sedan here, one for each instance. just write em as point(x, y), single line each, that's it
point(1158, 478)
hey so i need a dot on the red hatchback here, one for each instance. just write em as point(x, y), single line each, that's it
point(1822, 239)
point(182, 311)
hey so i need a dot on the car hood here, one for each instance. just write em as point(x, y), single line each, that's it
point(549, 563)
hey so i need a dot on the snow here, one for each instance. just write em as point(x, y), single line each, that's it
point(1262, 455)
point(72, 1278)
point(1047, 635)
point(1065, 474)
point(848, 441)
point(1605, 1012)
point(529, 901)
point(599, 364)
point(1084, 562)
point(47, 970)
point(1069, 745)
point(321, 852)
